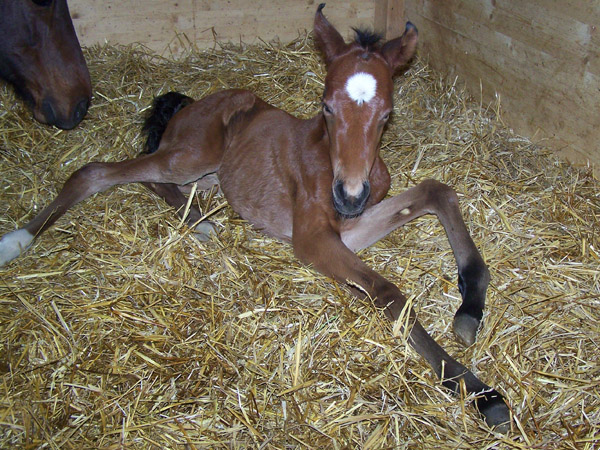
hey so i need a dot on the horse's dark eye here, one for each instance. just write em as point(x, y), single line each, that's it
point(42, 2)
point(327, 109)
point(386, 117)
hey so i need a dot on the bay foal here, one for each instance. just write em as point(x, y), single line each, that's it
point(319, 184)
point(41, 57)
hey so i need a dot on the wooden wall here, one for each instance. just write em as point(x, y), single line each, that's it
point(541, 57)
point(156, 22)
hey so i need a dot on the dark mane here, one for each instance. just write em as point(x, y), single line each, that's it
point(366, 39)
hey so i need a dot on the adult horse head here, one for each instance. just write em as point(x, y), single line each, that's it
point(41, 57)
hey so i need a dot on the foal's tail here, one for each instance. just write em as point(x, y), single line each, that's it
point(163, 109)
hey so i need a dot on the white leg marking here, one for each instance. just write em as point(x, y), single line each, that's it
point(13, 244)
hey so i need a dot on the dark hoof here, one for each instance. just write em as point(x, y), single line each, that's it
point(465, 328)
point(493, 407)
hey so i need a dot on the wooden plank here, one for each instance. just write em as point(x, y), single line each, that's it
point(156, 23)
point(380, 22)
point(541, 59)
point(519, 20)
point(389, 18)
point(498, 52)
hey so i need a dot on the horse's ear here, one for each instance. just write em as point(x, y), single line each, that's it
point(398, 52)
point(328, 40)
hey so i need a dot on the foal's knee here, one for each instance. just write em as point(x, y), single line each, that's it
point(438, 194)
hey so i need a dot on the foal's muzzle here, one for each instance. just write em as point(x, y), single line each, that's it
point(350, 206)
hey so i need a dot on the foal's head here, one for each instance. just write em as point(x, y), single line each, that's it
point(357, 103)
point(40, 55)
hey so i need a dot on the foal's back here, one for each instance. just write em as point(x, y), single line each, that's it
point(264, 157)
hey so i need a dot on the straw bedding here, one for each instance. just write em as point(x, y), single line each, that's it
point(120, 330)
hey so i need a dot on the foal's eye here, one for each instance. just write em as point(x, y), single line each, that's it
point(327, 109)
point(42, 2)
point(385, 118)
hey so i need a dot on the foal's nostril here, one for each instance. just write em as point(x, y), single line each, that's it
point(339, 194)
point(361, 200)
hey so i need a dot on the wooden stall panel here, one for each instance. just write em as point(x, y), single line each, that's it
point(156, 23)
point(389, 18)
point(540, 57)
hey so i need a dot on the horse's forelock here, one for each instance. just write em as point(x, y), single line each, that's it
point(367, 39)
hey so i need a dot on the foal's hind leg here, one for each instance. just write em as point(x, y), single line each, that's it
point(431, 197)
point(203, 229)
point(174, 166)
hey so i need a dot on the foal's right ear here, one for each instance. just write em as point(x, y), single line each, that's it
point(328, 40)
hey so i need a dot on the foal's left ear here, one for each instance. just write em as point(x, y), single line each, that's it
point(328, 39)
point(398, 52)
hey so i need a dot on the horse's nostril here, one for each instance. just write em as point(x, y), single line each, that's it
point(48, 111)
point(339, 192)
point(80, 111)
point(364, 195)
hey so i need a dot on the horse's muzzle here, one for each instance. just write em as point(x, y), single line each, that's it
point(350, 206)
point(66, 121)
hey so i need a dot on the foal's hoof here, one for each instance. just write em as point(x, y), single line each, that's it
point(465, 328)
point(204, 231)
point(13, 244)
point(493, 407)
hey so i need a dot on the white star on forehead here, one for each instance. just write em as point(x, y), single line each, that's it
point(361, 87)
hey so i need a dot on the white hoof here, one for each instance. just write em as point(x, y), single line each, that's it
point(13, 244)
point(204, 231)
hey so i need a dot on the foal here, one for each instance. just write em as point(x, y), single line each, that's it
point(319, 184)
point(41, 57)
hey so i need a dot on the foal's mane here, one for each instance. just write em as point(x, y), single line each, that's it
point(367, 39)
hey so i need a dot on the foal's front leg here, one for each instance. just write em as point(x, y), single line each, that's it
point(321, 247)
point(431, 197)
